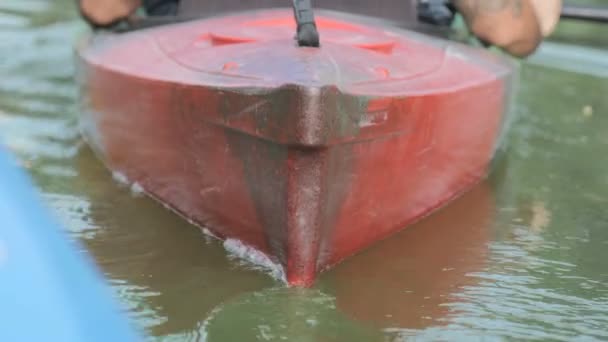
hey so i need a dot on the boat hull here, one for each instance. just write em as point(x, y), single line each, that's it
point(306, 173)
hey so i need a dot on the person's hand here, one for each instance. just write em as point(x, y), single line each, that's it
point(547, 13)
point(517, 26)
point(107, 12)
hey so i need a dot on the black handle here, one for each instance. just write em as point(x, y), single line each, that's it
point(307, 34)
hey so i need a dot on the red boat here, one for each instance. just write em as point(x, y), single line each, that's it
point(305, 154)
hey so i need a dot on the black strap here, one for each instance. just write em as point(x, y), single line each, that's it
point(158, 12)
point(307, 34)
point(161, 7)
point(436, 12)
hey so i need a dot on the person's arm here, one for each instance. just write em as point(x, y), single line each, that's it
point(517, 26)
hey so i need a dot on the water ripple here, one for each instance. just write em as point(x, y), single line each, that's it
point(542, 278)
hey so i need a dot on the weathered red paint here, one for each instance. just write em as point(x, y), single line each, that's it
point(308, 155)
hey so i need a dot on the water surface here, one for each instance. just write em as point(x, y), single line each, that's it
point(520, 257)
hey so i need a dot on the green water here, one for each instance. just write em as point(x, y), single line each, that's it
point(523, 256)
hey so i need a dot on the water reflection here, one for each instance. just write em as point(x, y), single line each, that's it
point(521, 257)
point(408, 280)
point(160, 263)
point(405, 283)
point(284, 314)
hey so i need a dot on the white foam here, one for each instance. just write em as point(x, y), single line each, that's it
point(241, 251)
point(137, 189)
point(312, 322)
point(122, 180)
point(120, 177)
point(205, 326)
point(209, 233)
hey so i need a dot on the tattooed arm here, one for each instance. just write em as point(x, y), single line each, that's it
point(518, 26)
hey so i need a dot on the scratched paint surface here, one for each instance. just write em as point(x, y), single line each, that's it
point(521, 256)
